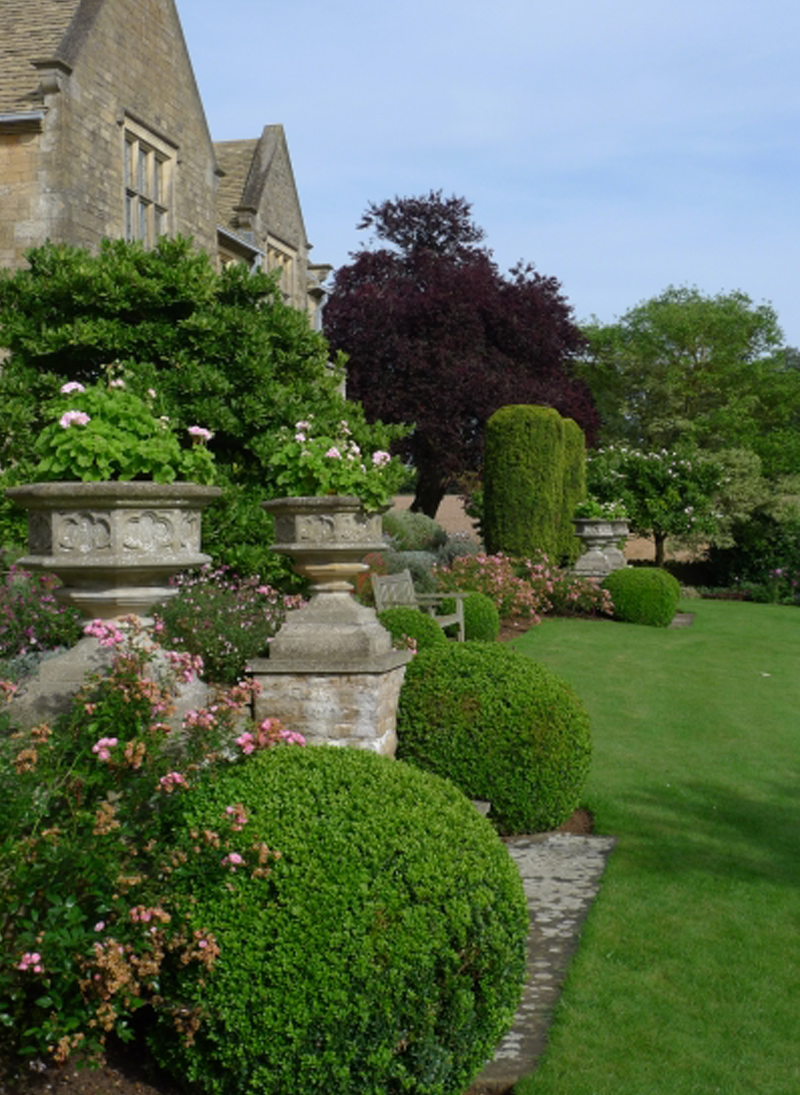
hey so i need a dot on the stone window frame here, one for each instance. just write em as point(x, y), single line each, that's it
point(284, 258)
point(149, 162)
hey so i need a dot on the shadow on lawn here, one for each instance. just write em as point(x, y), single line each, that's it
point(706, 827)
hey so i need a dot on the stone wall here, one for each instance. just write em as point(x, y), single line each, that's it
point(19, 172)
point(67, 182)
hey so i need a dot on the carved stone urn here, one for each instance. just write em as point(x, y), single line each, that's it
point(331, 673)
point(599, 536)
point(114, 545)
point(327, 537)
point(594, 533)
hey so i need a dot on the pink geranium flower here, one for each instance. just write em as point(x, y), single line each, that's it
point(73, 418)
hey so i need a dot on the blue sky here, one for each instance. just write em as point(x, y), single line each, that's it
point(619, 145)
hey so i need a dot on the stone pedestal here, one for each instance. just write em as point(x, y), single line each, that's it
point(332, 674)
point(333, 708)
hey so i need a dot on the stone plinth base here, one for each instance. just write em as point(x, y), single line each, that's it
point(49, 692)
point(355, 707)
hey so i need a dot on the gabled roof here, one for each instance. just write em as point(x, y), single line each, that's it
point(33, 30)
point(235, 158)
point(247, 166)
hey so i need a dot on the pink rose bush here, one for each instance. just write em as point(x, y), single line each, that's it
point(89, 848)
point(525, 589)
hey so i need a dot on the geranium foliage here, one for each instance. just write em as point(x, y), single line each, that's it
point(435, 335)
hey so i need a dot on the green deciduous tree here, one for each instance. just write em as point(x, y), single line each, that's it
point(684, 368)
point(692, 497)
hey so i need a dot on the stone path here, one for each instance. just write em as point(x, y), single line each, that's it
point(561, 876)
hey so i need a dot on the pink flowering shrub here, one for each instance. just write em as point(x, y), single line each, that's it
point(91, 928)
point(562, 593)
point(496, 578)
point(31, 619)
point(224, 619)
point(525, 588)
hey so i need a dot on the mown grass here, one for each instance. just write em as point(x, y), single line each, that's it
point(687, 979)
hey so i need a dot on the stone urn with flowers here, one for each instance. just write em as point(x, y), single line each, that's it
point(116, 507)
point(337, 480)
point(332, 674)
point(600, 526)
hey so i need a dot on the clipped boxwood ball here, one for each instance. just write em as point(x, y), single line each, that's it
point(481, 618)
point(385, 950)
point(502, 727)
point(411, 623)
point(643, 595)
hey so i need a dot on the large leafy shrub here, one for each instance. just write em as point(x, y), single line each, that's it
point(384, 950)
point(502, 727)
point(643, 595)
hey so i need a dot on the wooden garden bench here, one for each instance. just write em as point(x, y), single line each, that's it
point(397, 591)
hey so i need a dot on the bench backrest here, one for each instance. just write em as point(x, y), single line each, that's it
point(394, 591)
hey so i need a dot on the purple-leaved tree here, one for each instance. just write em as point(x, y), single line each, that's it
point(436, 336)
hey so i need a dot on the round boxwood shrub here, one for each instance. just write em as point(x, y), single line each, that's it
point(643, 595)
point(501, 727)
point(411, 623)
point(384, 951)
point(481, 618)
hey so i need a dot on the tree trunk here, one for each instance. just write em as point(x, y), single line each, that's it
point(661, 541)
point(430, 492)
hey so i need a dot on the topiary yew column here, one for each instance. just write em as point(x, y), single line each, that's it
point(523, 480)
point(574, 490)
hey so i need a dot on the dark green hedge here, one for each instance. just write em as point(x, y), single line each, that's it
point(643, 595)
point(385, 951)
point(523, 476)
point(502, 727)
point(574, 491)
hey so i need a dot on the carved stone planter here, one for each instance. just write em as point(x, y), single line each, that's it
point(599, 537)
point(331, 674)
point(326, 537)
point(612, 551)
point(594, 533)
point(113, 545)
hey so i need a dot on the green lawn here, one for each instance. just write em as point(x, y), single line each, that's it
point(688, 975)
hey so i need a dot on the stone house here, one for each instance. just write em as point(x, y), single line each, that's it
point(103, 134)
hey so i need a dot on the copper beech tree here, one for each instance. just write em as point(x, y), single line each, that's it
point(438, 337)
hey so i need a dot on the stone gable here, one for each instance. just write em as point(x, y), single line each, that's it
point(103, 135)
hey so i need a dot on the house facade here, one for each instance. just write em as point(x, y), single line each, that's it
point(103, 134)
